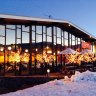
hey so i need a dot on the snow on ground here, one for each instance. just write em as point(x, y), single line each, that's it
point(80, 84)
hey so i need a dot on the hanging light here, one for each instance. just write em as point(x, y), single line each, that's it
point(26, 50)
point(36, 49)
point(1, 49)
point(47, 47)
point(9, 48)
point(58, 52)
point(48, 70)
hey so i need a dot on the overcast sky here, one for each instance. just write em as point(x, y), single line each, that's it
point(80, 12)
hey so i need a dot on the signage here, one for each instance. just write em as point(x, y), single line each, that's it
point(86, 45)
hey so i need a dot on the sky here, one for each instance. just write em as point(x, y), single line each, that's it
point(79, 12)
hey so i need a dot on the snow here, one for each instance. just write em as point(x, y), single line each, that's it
point(85, 76)
point(80, 84)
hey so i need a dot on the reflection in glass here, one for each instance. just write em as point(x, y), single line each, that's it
point(49, 39)
point(10, 37)
point(25, 37)
point(49, 31)
point(25, 28)
point(39, 29)
point(58, 40)
point(2, 30)
point(58, 32)
point(38, 38)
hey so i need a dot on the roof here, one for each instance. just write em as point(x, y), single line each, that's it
point(65, 25)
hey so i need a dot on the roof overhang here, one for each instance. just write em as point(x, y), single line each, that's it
point(65, 25)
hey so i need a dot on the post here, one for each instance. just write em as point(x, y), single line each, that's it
point(30, 50)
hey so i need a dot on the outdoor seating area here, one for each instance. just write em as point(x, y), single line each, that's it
point(78, 61)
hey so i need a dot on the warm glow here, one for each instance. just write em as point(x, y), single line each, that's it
point(49, 51)
point(14, 57)
point(47, 47)
point(36, 49)
point(70, 58)
point(25, 57)
point(1, 59)
point(26, 50)
point(69, 25)
point(45, 57)
point(9, 48)
point(1, 49)
point(58, 52)
point(48, 70)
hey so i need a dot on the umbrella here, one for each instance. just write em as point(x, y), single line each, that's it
point(68, 51)
point(87, 51)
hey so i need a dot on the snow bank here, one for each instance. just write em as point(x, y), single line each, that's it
point(63, 87)
point(85, 76)
point(59, 82)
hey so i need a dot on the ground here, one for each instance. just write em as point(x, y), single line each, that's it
point(80, 84)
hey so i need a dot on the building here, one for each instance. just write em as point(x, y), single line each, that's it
point(37, 37)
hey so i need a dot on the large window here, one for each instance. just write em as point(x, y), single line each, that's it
point(2, 34)
point(10, 36)
point(25, 34)
point(46, 41)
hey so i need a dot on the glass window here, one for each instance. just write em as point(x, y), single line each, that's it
point(66, 34)
point(18, 33)
point(33, 41)
point(49, 39)
point(62, 33)
point(49, 31)
point(58, 32)
point(62, 41)
point(2, 30)
point(10, 36)
point(73, 42)
point(25, 37)
point(25, 28)
point(33, 35)
point(2, 40)
point(70, 41)
point(10, 26)
point(69, 35)
point(33, 28)
point(73, 37)
point(54, 38)
point(76, 41)
point(39, 29)
point(18, 41)
point(44, 37)
point(79, 39)
point(18, 26)
point(55, 30)
point(58, 40)
point(54, 43)
point(38, 38)
point(66, 42)
point(44, 29)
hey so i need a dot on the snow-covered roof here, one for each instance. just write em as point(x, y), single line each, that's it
point(11, 18)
